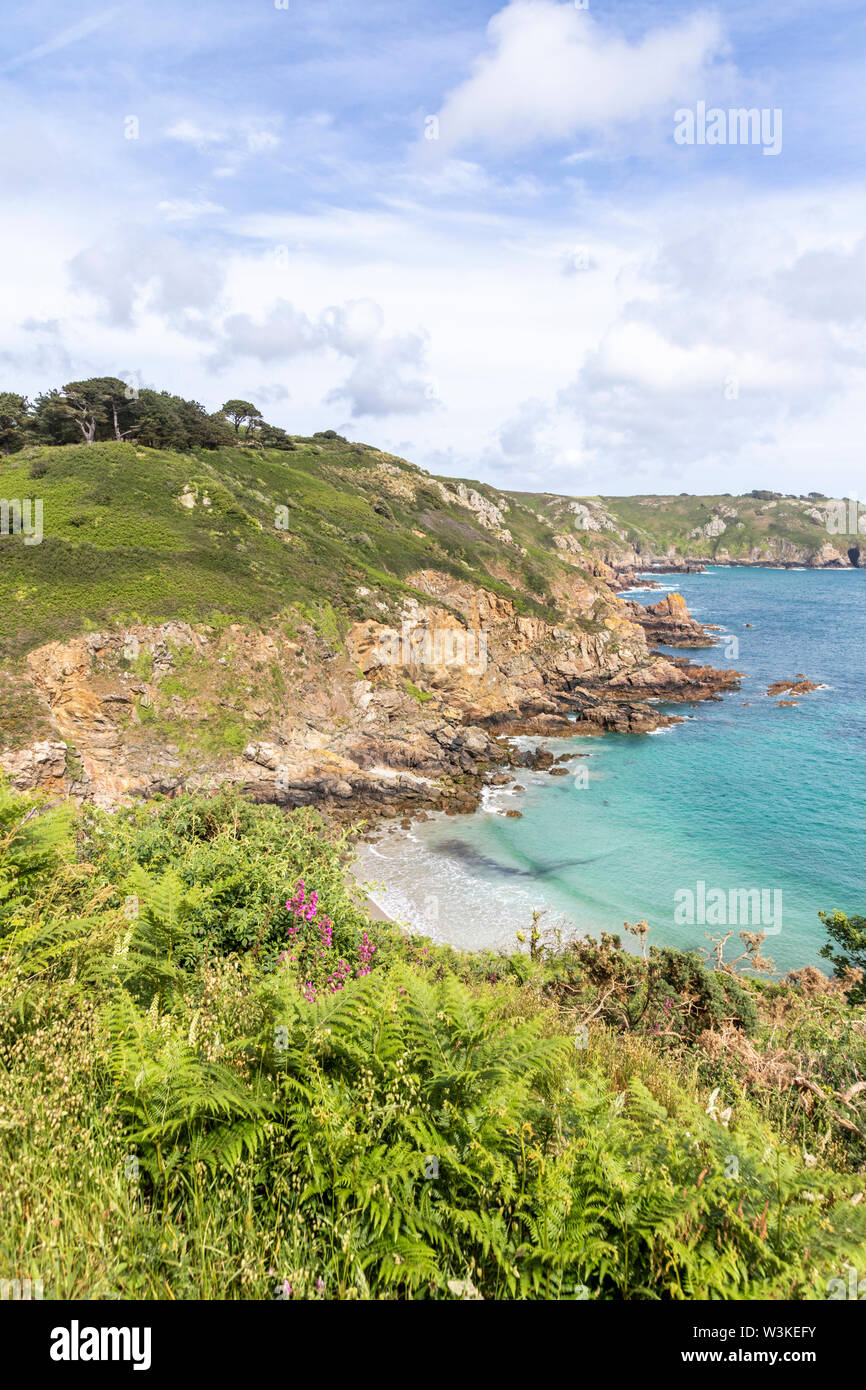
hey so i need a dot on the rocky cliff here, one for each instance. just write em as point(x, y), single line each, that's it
point(632, 534)
point(397, 717)
point(329, 623)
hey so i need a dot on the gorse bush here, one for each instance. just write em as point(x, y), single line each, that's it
point(672, 997)
point(257, 1092)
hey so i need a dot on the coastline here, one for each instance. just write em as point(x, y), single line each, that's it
point(374, 911)
point(469, 854)
point(674, 620)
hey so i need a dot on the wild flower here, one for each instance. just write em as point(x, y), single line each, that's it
point(365, 955)
point(313, 953)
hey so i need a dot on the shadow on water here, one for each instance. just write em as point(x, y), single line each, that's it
point(473, 858)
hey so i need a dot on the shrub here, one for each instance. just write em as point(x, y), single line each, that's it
point(849, 936)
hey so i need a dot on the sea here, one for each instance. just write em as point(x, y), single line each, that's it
point(747, 817)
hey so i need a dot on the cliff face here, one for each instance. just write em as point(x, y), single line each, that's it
point(333, 624)
point(637, 533)
point(398, 716)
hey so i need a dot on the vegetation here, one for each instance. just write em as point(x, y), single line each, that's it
point(762, 523)
point(257, 1092)
point(155, 509)
point(848, 936)
point(141, 534)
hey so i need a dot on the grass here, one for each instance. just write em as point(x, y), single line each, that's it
point(654, 523)
point(422, 696)
point(119, 546)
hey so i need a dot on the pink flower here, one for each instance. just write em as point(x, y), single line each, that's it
point(365, 955)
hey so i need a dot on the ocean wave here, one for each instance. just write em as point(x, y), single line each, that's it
point(488, 799)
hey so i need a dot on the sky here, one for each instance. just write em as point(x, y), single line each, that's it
point(487, 238)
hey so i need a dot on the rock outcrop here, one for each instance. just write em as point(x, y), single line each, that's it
point(669, 623)
point(798, 686)
point(41, 767)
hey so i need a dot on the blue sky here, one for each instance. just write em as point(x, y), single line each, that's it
point(464, 233)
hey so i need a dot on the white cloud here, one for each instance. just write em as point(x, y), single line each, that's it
point(384, 379)
point(234, 142)
point(283, 332)
point(189, 133)
point(552, 72)
point(714, 355)
point(520, 436)
point(273, 394)
point(827, 284)
point(162, 275)
point(351, 327)
point(258, 140)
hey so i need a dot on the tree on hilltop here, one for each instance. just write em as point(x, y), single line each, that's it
point(14, 419)
point(99, 405)
point(102, 408)
point(171, 422)
point(238, 411)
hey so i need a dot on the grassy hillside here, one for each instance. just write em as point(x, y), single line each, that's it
point(269, 529)
point(750, 523)
point(739, 527)
point(119, 545)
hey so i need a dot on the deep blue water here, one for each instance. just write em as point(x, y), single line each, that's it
point(742, 796)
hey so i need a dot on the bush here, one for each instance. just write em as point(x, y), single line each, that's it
point(849, 936)
point(246, 859)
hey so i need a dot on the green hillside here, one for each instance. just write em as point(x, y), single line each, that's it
point(758, 526)
point(267, 529)
point(245, 531)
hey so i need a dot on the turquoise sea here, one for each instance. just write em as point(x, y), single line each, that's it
point(742, 796)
